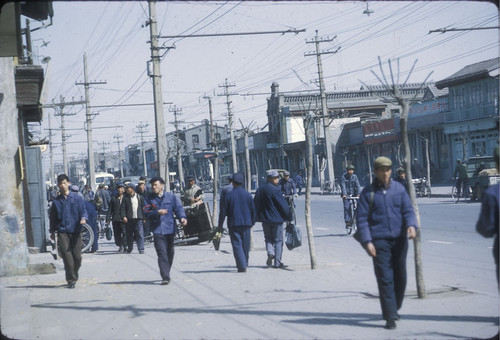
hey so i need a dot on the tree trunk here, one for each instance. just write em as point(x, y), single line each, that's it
point(248, 176)
point(368, 154)
point(309, 167)
point(407, 159)
point(428, 160)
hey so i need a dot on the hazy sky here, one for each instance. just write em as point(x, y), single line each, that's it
point(113, 36)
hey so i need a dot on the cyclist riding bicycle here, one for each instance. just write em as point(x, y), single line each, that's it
point(461, 176)
point(349, 187)
point(287, 185)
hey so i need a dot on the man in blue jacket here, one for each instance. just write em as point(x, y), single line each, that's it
point(349, 186)
point(386, 220)
point(240, 211)
point(272, 210)
point(67, 214)
point(161, 208)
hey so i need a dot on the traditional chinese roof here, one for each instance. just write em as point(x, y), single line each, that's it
point(481, 70)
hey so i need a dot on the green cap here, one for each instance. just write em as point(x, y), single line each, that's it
point(382, 161)
point(350, 167)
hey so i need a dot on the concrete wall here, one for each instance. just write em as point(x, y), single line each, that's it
point(13, 248)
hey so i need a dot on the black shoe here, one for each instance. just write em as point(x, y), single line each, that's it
point(165, 282)
point(390, 324)
point(269, 261)
point(141, 251)
point(280, 266)
point(71, 285)
point(120, 249)
point(243, 270)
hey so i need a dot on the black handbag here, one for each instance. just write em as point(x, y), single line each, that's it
point(293, 236)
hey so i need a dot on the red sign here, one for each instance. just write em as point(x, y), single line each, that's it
point(153, 165)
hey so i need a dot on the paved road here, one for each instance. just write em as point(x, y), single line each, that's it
point(119, 295)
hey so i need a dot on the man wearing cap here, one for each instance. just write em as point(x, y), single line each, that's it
point(192, 194)
point(401, 178)
point(105, 198)
point(161, 208)
point(461, 176)
point(116, 218)
point(349, 186)
point(299, 182)
point(386, 220)
point(143, 191)
point(132, 217)
point(272, 210)
point(287, 185)
point(239, 208)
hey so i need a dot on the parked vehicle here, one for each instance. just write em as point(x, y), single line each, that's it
point(482, 173)
point(103, 178)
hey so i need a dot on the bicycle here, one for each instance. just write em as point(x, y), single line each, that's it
point(422, 187)
point(326, 187)
point(352, 228)
point(87, 237)
point(464, 193)
point(104, 229)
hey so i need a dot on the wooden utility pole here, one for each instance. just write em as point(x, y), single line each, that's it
point(161, 141)
point(88, 116)
point(215, 161)
point(118, 140)
point(141, 129)
point(178, 153)
point(324, 108)
point(226, 93)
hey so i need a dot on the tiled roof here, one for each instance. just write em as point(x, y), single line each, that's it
point(470, 73)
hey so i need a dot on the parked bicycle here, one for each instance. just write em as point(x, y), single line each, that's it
point(352, 228)
point(87, 237)
point(326, 187)
point(464, 191)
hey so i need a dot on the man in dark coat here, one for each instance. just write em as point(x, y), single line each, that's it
point(272, 210)
point(132, 217)
point(386, 220)
point(240, 211)
point(67, 214)
point(116, 218)
point(223, 194)
point(401, 178)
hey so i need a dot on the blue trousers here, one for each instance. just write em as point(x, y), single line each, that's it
point(135, 231)
point(70, 249)
point(273, 235)
point(240, 240)
point(347, 211)
point(390, 270)
point(164, 246)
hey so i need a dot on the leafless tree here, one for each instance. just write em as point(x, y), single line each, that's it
point(395, 91)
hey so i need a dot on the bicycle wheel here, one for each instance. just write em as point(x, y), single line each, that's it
point(454, 195)
point(87, 237)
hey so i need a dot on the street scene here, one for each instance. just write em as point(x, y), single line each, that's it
point(119, 295)
point(249, 170)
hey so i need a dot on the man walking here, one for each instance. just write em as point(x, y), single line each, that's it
point(349, 186)
point(386, 220)
point(116, 218)
point(461, 177)
point(240, 211)
point(299, 182)
point(272, 210)
point(132, 217)
point(228, 188)
point(161, 208)
point(67, 214)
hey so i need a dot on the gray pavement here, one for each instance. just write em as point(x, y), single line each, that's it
point(119, 296)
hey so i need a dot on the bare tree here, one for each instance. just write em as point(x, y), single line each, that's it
point(396, 96)
point(309, 120)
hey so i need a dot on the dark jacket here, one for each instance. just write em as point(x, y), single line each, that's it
point(239, 208)
point(126, 207)
point(222, 214)
point(66, 213)
point(386, 214)
point(488, 224)
point(114, 212)
point(164, 224)
point(349, 186)
point(287, 187)
point(270, 205)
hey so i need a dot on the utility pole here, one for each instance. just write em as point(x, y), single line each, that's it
point(51, 155)
point(61, 106)
point(161, 141)
point(324, 108)
point(104, 145)
point(88, 116)
point(142, 130)
point(226, 93)
point(178, 112)
point(215, 160)
point(118, 140)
